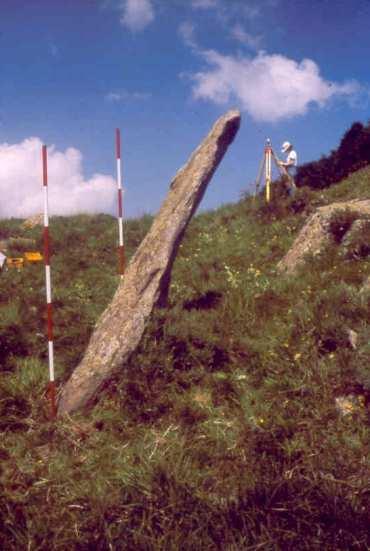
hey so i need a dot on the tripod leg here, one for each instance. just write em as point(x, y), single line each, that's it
point(259, 176)
point(268, 175)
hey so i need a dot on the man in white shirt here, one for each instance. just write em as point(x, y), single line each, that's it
point(290, 165)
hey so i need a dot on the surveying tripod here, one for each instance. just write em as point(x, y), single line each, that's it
point(265, 168)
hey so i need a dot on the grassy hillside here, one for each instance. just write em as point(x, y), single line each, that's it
point(223, 430)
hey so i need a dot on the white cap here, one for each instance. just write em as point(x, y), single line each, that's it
point(285, 146)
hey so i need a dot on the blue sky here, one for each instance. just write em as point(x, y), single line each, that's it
point(163, 71)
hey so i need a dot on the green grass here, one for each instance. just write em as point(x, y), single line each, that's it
point(221, 432)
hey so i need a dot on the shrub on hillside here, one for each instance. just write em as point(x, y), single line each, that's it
point(352, 154)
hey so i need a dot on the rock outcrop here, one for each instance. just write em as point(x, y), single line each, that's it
point(146, 280)
point(33, 221)
point(316, 234)
point(366, 286)
point(356, 243)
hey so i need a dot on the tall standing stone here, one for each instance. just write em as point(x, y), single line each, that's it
point(146, 280)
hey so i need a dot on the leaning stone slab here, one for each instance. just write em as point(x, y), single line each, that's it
point(315, 234)
point(146, 281)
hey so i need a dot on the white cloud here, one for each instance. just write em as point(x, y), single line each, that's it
point(251, 12)
point(114, 97)
point(137, 14)
point(54, 50)
point(268, 87)
point(124, 95)
point(240, 34)
point(229, 9)
point(186, 31)
point(69, 192)
point(204, 4)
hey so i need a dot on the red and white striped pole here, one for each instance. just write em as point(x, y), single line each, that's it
point(49, 312)
point(121, 250)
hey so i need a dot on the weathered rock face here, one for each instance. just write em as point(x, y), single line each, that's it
point(146, 281)
point(315, 234)
point(366, 286)
point(36, 220)
point(356, 243)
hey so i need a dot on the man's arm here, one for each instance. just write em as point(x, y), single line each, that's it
point(288, 162)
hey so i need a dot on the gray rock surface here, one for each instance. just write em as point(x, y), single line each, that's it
point(33, 221)
point(358, 226)
point(146, 280)
point(355, 244)
point(352, 338)
point(366, 286)
point(315, 234)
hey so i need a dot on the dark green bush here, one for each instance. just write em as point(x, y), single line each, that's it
point(352, 154)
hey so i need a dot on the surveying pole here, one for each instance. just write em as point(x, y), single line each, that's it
point(51, 392)
point(266, 169)
point(268, 154)
point(121, 251)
